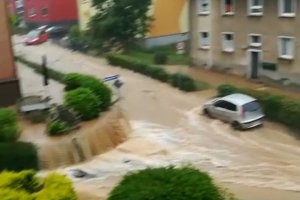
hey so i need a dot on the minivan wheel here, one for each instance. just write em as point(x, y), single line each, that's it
point(206, 112)
point(236, 125)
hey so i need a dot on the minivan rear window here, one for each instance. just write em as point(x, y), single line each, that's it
point(251, 106)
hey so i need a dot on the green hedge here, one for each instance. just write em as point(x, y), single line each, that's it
point(26, 185)
point(168, 184)
point(9, 130)
point(84, 102)
point(57, 127)
point(276, 107)
point(180, 81)
point(53, 74)
point(18, 156)
point(75, 80)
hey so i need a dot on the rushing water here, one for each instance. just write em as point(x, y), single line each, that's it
point(253, 158)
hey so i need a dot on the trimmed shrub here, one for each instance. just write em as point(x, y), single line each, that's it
point(57, 127)
point(84, 102)
point(21, 156)
point(27, 186)
point(56, 187)
point(75, 80)
point(183, 82)
point(167, 183)
point(160, 58)
point(9, 130)
point(224, 90)
point(290, 113)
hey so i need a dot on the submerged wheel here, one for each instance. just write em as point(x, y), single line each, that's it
point(236, 125)
point(206, 112)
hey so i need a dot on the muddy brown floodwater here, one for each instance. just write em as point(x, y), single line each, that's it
point(260, 164)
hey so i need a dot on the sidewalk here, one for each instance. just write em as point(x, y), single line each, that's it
point(215, 78)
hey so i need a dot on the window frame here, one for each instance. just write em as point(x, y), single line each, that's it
point(223, 38)
point(250, 7)
point(29, 12)
point(200, 39)
point(279, 43)
point(223, 8)
point(44, 8)
point(201, 12)
point(250, 43)
point(281, 12)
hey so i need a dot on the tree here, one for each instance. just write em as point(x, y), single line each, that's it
point(117, 23)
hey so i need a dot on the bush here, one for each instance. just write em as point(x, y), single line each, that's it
point(183, 82)
point(160, 58)
point(27, 186)
point(21, 156)
point(57, 127)
point(224, 90)
point(167, 183)
point(9, 131)
point(84, 102)
point(75, 80)
point(276, 107)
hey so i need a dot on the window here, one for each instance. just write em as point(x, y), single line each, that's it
point(203, 6)
point(255, 40)
point(286, 47)
point(227, 42)
point(204, 40)
point(227, 7)
point(287, 8)
point(31, 12)
point(44, 11)
point(226, 105)
point(255, 7)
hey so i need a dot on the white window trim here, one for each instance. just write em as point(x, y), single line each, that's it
point(286, 57)
point(222, 40)
point(203, 12)
point(223, 8)
point(31, 15)
point(280, 9)
point(200, 38)
point(249, 6)
point(254, 44)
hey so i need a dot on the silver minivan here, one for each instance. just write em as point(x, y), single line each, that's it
point(240, 110)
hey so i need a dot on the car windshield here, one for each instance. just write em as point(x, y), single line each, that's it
point(251, 106)
point(33, 33)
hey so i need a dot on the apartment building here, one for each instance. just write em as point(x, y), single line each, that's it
point(252, 38)
point(9, 84)
point(50, 12)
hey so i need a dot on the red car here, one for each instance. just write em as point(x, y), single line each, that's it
point(37, 36)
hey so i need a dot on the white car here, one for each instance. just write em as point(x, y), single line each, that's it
point(240, 110)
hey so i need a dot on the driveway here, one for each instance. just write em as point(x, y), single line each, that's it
point(258, 164)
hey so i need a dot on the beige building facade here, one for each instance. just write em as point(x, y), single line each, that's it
point(252, 38)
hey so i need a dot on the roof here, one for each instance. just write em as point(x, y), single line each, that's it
point(238, 99)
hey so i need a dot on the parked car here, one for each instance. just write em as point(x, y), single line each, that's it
point(240, 110)
point(36, 36)
point(54, 32)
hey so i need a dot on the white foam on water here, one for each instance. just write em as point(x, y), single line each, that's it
point(208, 145)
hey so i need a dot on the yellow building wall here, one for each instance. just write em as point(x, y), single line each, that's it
point(170, 16)
point(85, 12)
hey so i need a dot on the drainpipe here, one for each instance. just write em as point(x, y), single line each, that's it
point(190, 30)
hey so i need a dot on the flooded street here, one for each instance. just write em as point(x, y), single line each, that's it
point(167, 128)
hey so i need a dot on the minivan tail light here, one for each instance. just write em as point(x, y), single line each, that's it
point(242, 113)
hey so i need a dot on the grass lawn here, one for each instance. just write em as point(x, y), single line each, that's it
point(147, 57)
